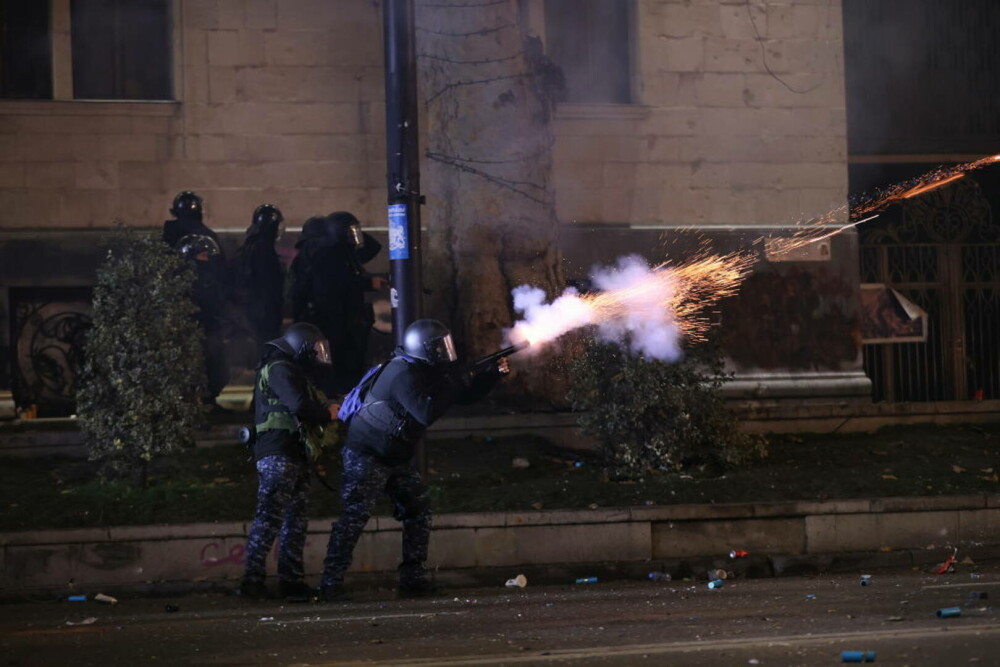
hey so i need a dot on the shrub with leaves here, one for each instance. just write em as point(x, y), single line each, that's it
point(652, 415)
point(139, 394)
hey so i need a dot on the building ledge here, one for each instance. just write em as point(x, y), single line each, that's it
point(89, 107)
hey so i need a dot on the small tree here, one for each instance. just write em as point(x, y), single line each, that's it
point(139, 394)
point(653, 415)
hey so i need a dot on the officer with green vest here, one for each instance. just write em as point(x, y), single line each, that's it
point(292, 419)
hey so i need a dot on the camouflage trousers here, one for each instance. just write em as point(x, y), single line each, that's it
point(281, 506)
point(365, 479)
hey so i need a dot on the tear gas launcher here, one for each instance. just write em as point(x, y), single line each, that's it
point(485, 363)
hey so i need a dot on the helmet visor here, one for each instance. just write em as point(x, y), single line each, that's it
point(322, 352)
point(441, 350)
point(355, 237)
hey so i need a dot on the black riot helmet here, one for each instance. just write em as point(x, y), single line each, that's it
point(198, 246)
point(429, 341)
point(187, 205)
point(304, 343)
point(345, 229)
point(267, 215)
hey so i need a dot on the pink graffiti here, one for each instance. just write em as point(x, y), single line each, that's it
point(235, 555)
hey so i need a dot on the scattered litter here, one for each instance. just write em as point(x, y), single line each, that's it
point(170, 608)
point(87, 621)
point(592, 506)
point(738, 553)
point(979, 595)
point(967, 561)
point(106, 599)
point(377, 641)
point(267, 618)
point(716, 583)
point(753, 661)
point(550, 604)
point(659, 576)
point(520, 581)
point(718, 574)
point(578, 464)
point(895, 619)
point(975, 575)
point(76, 598)
point(587, 580)
point(537, 506)
point(949, 612)
point(948, 565)
point(857, 656)
point(650, 503)
point(520, 462)
point(810, 596)
point(866, 580)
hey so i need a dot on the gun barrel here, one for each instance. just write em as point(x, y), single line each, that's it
point(496, 356)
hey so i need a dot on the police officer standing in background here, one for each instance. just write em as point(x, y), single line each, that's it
point(188, 210)
point(285, 399)
point(209, 294)
point(257, 273)
point(187, 233)
point(328, 289)
point(412, 390)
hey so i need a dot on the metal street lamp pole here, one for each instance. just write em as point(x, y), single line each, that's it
point(402, 164)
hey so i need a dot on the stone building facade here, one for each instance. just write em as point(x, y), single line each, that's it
point(727, 116)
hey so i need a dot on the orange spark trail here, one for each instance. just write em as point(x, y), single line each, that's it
point(643, 302)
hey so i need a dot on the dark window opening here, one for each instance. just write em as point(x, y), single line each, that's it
point(921, 76)
point(25, 50)
point(121, 49)
point(590, 41)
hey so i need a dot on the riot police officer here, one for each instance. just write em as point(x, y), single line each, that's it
point(209, 294)
point(286, 406)
point(329, 286)
point(411, 391)
point(188, 210)
point(258, 275)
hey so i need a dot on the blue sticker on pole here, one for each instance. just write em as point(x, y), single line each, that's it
point(399, 241)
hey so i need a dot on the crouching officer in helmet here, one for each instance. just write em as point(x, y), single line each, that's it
point(288, 412)
point(411, 391)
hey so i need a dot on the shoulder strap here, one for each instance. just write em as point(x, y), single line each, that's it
point(271, 403)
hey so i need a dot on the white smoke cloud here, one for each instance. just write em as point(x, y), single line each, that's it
point(633, 309)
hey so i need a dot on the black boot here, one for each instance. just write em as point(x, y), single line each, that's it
point(334, 593)
point(296, 591)
point(417, 588)
point(253, 590)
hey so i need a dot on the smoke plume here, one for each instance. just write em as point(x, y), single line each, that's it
point(632, 309)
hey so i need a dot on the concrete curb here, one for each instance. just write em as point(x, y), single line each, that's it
point(483, 548)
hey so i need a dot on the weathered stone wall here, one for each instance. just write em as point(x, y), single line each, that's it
point(282, 102)
point(278, 102)
point(715, 138)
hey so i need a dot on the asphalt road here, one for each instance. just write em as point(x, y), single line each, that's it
point(787, 621)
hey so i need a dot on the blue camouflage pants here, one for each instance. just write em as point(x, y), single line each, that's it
point(365, 479)
point(281, 506)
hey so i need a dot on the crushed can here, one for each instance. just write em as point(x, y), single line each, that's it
point(738, 553)
point(866, 580)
